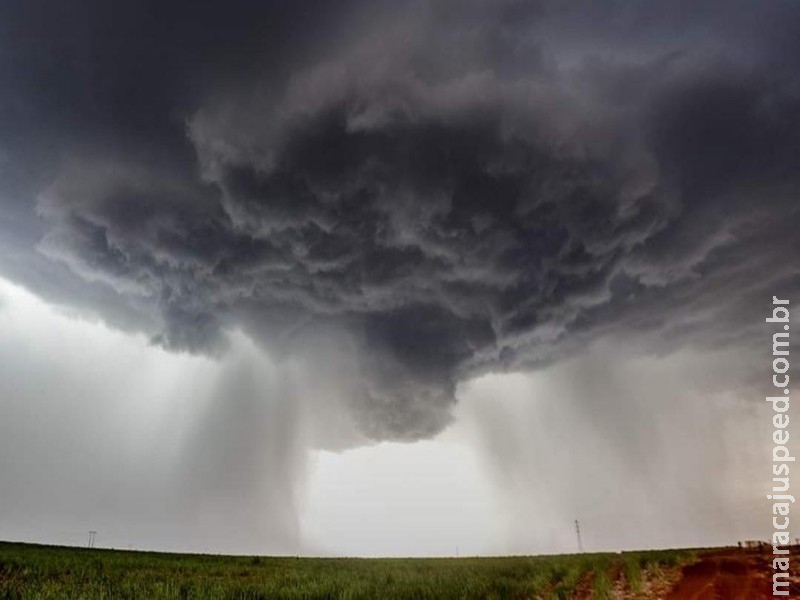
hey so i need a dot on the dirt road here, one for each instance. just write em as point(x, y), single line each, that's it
point(730, 575)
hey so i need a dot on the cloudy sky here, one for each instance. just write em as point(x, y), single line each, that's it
point(393, 278)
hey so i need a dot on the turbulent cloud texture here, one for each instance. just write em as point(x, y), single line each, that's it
point(443, 189)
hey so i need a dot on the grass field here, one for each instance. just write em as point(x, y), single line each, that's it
point(33, 571)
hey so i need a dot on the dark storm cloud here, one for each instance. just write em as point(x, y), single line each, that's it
point(446, 189)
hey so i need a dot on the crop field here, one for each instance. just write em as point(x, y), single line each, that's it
point(33, 571)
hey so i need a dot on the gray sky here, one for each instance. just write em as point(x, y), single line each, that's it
point(392, 278)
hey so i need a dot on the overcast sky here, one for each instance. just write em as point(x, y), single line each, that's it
point(392, 278)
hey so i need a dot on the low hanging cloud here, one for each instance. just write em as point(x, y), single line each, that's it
point(445, 191)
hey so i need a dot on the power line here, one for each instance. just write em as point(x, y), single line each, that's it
point(578, 533)
point(91, 539)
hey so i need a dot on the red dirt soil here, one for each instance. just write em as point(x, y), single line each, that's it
point(731, 575)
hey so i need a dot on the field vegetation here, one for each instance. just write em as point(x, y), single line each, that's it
point(30, 571)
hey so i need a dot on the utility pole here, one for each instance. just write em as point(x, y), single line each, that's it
point(578, 533)
point(91, 539)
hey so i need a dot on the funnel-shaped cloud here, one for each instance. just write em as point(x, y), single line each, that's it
point(442, 190)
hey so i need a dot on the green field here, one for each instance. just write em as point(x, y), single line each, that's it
point(33, 571)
